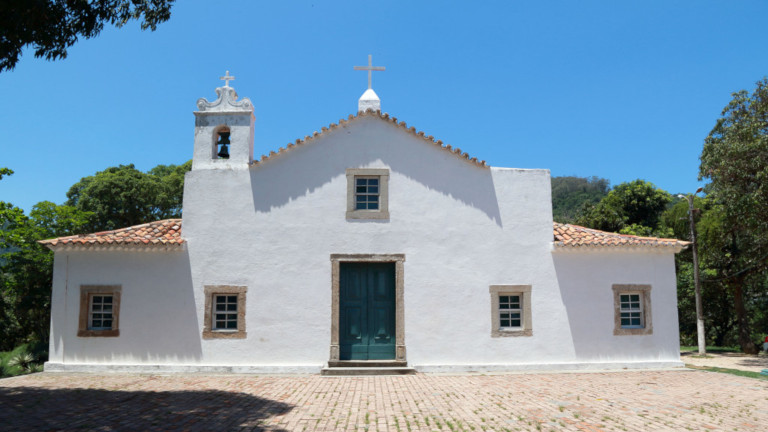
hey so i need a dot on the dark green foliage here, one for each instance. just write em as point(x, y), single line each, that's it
point(123, 196)
point(570, 194)
point(631, 208)
point(26, 267)
point(52, 26)
point(716, 246)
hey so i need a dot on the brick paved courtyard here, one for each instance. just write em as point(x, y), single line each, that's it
point(625, 401)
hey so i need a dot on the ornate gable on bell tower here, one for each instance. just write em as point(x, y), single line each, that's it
point(223, 130)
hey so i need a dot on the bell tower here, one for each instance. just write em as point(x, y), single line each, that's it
point(223, 131)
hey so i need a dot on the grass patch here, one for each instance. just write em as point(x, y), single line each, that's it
point(737, 372)
point(714, 349)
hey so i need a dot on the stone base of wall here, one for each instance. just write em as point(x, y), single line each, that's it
point(302, 369)
point(550, 367)
point(179, 369)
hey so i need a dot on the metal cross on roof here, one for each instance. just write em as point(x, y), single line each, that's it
point(226, 78)
point(370, 68)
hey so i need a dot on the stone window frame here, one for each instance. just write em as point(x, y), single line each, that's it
point(86, 294)
point(645, 291)
point(527, 323)
point(210, 292)
point(399, 260)
point(383, 211)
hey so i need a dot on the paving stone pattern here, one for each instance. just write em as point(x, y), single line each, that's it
point(607, 401)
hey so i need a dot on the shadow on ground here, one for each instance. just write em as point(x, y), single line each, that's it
point(30, 408)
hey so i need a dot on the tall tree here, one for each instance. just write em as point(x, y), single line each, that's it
point(735, 160)
point(52, 26)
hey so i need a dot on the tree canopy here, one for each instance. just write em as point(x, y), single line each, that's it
point(632, 208)
point(123, 196)
point(52, 26)
point(569, 194)
point(113, 198)
point(735, 159)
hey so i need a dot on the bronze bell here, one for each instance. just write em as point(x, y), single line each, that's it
point(223, 142)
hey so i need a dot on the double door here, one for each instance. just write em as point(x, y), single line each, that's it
point(367, 311)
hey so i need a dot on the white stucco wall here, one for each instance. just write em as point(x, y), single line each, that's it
point(158, 323)
point(586, 279)
point(272, 227)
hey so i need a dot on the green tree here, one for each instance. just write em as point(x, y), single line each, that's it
point(123, 196)
point(52, 26)
point(735, 160)
point(26, 266)
point(716, 297)
point(569, 194)
point(632, 208)
point(113, 198)
point(172, 186)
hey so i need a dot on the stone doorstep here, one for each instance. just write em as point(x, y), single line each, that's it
point(367, 367)
point(366, 363)
point(358, 371)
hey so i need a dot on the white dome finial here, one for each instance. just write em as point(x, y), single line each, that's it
point(369, 100)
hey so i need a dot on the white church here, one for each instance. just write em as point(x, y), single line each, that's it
point(367, 247)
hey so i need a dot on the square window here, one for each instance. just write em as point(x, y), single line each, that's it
point(511, 310)
point(100, 318)
point(632, 305)
point(225, 316)
point(367, 193)
point(224, 312)
point(99, 311)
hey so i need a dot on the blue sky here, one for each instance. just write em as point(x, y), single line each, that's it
point(620, 90)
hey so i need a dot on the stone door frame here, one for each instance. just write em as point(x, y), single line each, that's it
point(398, 259)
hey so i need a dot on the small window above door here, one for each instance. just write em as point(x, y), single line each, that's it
point(367, 193)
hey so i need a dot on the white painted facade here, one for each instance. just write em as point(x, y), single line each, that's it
point(272, 226)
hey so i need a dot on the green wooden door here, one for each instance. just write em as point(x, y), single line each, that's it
point(367, 311)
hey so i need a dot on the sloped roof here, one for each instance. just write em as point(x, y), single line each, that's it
point(574, 236)
point(164, 234)
point(385, 116)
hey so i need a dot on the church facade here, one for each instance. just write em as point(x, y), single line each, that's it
point(365, 243)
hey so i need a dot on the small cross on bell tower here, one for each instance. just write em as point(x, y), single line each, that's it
point(227, 78)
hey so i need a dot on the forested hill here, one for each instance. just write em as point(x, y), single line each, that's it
point(569, 194)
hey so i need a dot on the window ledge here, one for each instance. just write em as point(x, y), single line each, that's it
point(512, 333)
point(367, 214)
point(98, 333)
point(632, 331)
point(217, 334)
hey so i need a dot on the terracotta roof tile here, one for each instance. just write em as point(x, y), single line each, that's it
point(164, 233)
point(385, 116)
point(167, 234)
point(578, 236)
